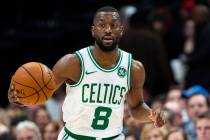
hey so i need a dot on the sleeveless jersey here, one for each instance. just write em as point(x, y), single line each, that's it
point(94, 106)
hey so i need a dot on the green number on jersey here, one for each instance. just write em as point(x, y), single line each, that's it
point(101, 120)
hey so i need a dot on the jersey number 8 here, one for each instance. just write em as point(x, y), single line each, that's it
point(101, 118)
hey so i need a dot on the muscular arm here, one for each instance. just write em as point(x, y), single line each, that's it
point(138, 108)
point(67, 68)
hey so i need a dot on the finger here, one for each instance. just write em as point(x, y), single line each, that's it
point(153, 116)
point(154, 113)
point(160, 116)
point(19, 104)
point(160, 120)
point(13, 98)
point(13, 87)
point(163, 117)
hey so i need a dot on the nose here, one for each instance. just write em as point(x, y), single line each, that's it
point(108, 29)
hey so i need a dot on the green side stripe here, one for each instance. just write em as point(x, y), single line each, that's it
point(100, 67)
point(129, 70)
point(82, 69)
point(64, 136)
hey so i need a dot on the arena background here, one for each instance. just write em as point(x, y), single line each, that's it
point(45, 30)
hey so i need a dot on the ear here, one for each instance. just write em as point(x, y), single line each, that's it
point(122, 31)
point(92, 31)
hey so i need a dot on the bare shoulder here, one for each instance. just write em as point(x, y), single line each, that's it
point(69, 61)
point(67, 67)
point(137, 66)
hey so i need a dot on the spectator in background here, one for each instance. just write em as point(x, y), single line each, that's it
point(51, 130)
point(186, 9)
point(7, 136)
point(12, 111)
point(203, 126)
point(197, 103)
point(54, 104)
point(3, 129)
point(131, 136)
point(175, 107)
point(131, 127)
point(15, 120)
point(158, 101)
point(197, 58)
point(179, 68)
point(41, 117)
point(29, 111)
point(175, 95)
point(176, 134)
point(4, 118)
point(28, 130)
point(189, 33)
point(150, 132)
point(163, 22)
point(150, 51)
point(169, 115)
point(4, 122)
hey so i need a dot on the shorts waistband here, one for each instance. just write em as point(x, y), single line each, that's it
point(81, 137)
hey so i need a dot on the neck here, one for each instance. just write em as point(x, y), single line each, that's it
point(105, 59)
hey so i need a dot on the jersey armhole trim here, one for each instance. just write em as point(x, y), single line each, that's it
point(82, 69)
point(129, 79)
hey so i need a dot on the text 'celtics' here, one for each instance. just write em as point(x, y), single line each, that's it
point(102, 93)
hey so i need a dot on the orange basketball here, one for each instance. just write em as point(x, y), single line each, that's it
point(34, 83)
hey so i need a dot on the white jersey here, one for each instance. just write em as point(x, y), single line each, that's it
point(94, 106)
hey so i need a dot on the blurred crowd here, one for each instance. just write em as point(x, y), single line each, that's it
point(174, 46)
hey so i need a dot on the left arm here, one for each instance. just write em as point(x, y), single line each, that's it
point(138, 108)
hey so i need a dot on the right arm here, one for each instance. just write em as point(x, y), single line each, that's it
point(67, 68)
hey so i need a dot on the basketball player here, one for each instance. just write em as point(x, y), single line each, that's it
point(99, 79)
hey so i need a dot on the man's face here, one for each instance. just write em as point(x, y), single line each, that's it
point(196, 105)
point(107, 30)
point(203, 129)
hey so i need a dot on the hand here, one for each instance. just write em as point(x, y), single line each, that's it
point(12, 95)
point(158, 118)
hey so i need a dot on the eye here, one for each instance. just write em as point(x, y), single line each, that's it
point(102, 26)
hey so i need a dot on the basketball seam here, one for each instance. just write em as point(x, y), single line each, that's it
point(25, 85)
point(36, 92)
point(46, 84)
point(41, 88)
point(43, 80)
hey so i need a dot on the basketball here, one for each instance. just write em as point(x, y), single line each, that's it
point(34, 83)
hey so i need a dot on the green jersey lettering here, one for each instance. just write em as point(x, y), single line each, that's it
point(98, 96)
point(99, 117)
point(84, 100)
point(92, 92)
point(110, 95)
point(106, 90)
point(117, 88)
point(123, 89)
point(102, 93)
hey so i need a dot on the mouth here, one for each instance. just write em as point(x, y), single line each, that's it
point(108, 39)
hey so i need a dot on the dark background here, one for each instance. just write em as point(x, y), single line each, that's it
point(45, 30)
